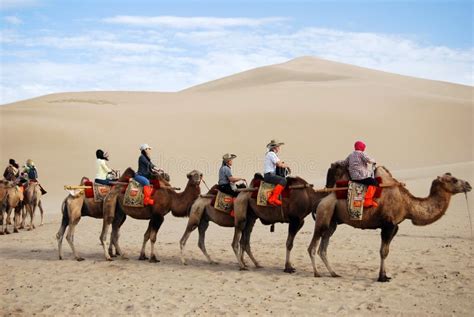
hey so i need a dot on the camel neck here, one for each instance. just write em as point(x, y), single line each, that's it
point(181, 202)
point(424, 211)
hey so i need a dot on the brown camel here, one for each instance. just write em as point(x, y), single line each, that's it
point(293, 211)
point(11, 200)
point(31, 201)
point(165, 198)
point(76, 206)
point(201, 213)
point(395, 205)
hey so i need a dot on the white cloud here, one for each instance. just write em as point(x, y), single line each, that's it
point(172, 60)
point(11, 19)
point(190, 22)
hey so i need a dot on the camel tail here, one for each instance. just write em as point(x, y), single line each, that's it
point(65, 220)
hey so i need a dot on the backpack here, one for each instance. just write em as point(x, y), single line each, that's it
point(32, 173)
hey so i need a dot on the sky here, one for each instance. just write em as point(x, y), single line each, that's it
point(58, 46)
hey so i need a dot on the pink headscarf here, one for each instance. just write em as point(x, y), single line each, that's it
point(359, 146)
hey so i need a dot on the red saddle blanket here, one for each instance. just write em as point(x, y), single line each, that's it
point(256, 184)
point(89, 191)
point(342, 194)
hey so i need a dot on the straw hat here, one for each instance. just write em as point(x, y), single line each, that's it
point(227, 157)
point(274, 143)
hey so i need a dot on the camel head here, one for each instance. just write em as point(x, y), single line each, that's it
point(335, 172)
point(194, 177)
point(452, 184)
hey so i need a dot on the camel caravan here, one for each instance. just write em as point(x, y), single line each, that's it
point(357, 193)
point(20, 193)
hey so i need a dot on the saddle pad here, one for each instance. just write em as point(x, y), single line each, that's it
point(100, 191)
point(224, 202)
point(133, 195)
point(264, 192)
point(342, 194)
point(355, 200)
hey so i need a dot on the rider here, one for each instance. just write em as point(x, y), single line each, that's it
point(102, 168)
point(272, 162)
point(12, 172)
point(145, 170)
point(32, 173)
point(358, 164)
point(225, 175)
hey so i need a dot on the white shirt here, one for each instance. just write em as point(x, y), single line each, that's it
point(271, 159)
point(102, 169)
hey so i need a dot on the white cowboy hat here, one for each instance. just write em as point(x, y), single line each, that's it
point(144, 147)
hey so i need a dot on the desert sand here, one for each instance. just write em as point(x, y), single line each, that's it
point(417, 128)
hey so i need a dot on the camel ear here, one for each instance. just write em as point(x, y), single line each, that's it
point(449, 174)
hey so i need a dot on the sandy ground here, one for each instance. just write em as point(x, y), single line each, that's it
point(419, 129)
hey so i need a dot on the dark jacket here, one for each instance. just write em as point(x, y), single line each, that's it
point(145, 166)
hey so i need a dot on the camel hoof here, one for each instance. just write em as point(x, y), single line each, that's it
point(7, 232)
point(258, 266)
point(153, 259)
point(142, 257)
point(214, 263)
point(109, 259)
point(316, 274)
point(15, 230)
point(335, 275)
point(79, 259)
point(113, 255)
point(244, 268)
point(289, 270)
point(384, 279)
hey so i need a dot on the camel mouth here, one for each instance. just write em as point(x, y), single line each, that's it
point(467, 187)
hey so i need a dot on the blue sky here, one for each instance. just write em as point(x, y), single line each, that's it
point(54, 46)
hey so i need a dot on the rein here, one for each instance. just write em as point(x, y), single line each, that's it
point(468, 213)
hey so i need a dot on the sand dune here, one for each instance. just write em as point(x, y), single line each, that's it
point(417, 128)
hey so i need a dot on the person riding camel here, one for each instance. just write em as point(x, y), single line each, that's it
point(358, 164)
point(31, 172)
point(144, 173)
point(12, 172)
point(102, 169)
point(226, 180)
point(271, 163)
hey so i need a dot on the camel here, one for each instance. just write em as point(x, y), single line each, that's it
point(395, 205)
point(201, 213)
point(11, 199)
point(293, 211)
point(33, 200)
point(76, 206)
point(165, 198)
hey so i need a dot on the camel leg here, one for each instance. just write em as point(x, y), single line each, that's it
point(16, 219)
point(24, 213)
point(40, 205)
point(245, 241)
point(107, 221)
point(146, 237)
point(203, 225)
point(322, 251)
point(118, 221)
point(59, 237)
point(70, 238)
point(191, 226)
point(293, 228)
point(31, 211)
point(157, 221)
point(388, 232)
point(239, 227)
point(6, 220)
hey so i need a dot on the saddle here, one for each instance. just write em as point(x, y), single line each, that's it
point(355, 195)
point(97, 191)
point(265, 190)
point(133, 196)
point(223, 202)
